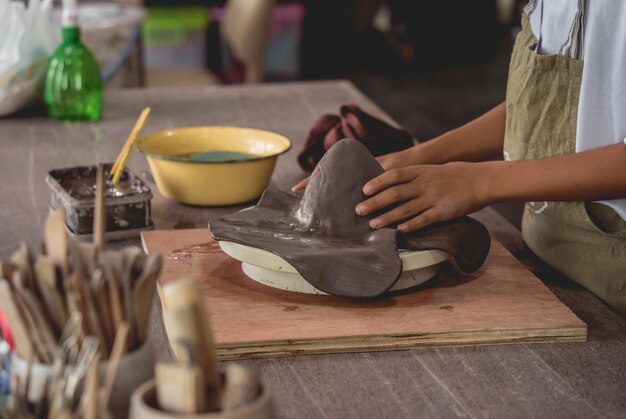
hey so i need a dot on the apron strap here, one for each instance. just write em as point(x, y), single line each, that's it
point(530, 7)
point(574, 46)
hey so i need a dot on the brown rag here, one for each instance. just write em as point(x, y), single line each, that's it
point(352, 122)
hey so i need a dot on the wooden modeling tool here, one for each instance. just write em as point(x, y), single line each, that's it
point(100, 297)
point(93, 319)
point(36, 332)
point(185, 326)
point(6, 269)
point(74, 306)
point(45, 274)
point(21, 261)
point(111, 263)
point(131, 254)
point(99, 215)
point(129, 146)
point(40, 324)
point(180, 386)
point(143, 293)
point(119, 348)
point(90, 400)
point(23, 344)
point(240, 387)
point(83, 255)
point(55, 239)
point(188, 321)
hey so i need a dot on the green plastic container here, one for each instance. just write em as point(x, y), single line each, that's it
point(73, 89)
point(175, 36)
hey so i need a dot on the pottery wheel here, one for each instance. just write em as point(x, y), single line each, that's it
point(272, 270)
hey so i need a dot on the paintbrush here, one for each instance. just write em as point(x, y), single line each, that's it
point(129, 145)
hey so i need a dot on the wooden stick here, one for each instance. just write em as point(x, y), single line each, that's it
point(55, 238)
point(93, 319)
point(119, 347)
point(145, 287)
point(45, 274)
point(74, 306)
point(130, 255)
point(117, 312)
point(42, 325)
point(90, 396)
point(100, 297)
point(99, 215)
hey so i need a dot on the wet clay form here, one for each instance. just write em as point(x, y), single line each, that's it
point(318, 232)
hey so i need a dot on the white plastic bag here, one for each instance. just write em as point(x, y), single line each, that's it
point(28, 36)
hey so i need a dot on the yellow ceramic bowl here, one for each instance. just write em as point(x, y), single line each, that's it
point(225, 182)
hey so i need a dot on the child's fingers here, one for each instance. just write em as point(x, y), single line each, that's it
point(404, 211)
point(300, 185)
point(426, 218)
point(387, 197)
point(390, 177)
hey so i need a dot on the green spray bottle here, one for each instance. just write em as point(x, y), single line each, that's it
point(73, 89)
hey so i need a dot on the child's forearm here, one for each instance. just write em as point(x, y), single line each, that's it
point(591, 175)
point(478, 140)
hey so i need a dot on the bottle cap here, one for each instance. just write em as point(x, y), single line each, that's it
point(69, 16)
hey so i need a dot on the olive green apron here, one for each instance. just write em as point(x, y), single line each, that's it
point(584, 241)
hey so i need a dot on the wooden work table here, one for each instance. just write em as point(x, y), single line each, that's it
point(540, 380)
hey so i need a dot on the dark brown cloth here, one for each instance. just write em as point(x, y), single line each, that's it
point(319, 233)
point(352, 122)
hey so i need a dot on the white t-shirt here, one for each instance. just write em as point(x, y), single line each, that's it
point(602, 103)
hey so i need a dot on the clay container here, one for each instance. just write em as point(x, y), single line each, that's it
point(135, 368)
point(127, 207)
point(144, 406)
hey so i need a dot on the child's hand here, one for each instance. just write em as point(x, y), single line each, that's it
point(427, 194)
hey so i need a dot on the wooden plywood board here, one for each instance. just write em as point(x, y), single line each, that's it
point(501, 303)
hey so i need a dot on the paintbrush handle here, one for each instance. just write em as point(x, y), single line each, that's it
point(122, 159)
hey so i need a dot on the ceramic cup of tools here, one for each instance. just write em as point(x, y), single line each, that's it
point(134, 368)
point(145, 405)
point(39, 374)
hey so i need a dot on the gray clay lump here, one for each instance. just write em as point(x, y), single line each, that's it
point(318, 232)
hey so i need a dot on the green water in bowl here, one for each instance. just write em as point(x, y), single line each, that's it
point(217, 156)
